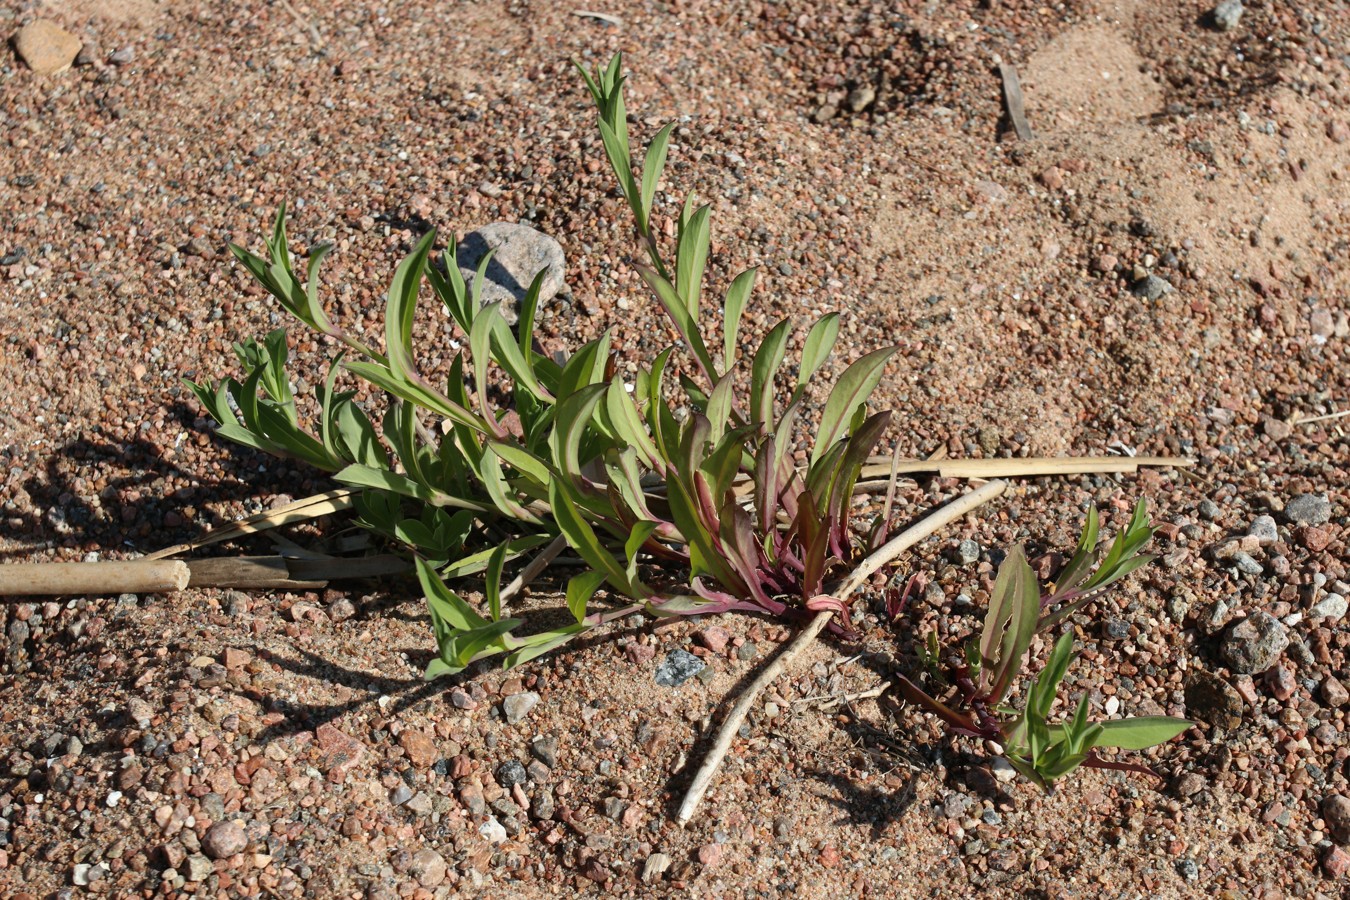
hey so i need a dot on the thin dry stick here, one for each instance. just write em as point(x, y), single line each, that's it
point(311, 507)
point(1012, 97)
point(531, 571)
point(1336, 415)
point(869, 566)
point(828, 700)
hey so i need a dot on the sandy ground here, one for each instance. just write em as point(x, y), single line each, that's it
point(1012, 275)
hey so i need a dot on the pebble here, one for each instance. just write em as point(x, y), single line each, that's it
point(1209, 510)
point(1003, 770)
point(1254, 644)
point(46, 47)
point(199, 868)
point(710, 855)
point(122, 57)
point(223, 840)
point(1281, 681)
point(1336, 813)
point(518, 706)
point(419, 747)
point(714, 637)
point(679, 667)
point(1332, 606)
point(1190, 784)
point(545, 749)
point(428, 867)
point(471, 795)
point(1211, 699)
point(511, 773)
point(1151, 287)
point(1308, 509)
point(1245, 563)
point(1334, 693)
point(493, 831)
point(460, 699)
point(861, 97)
point(1336, 862)
point(1264, 529)
point(968, 552)
point(521, 253)
point(400, 795)
point(1227, 14)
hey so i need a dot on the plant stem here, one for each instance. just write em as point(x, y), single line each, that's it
point(868, 567)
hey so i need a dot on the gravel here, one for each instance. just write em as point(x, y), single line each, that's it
point(1001, 270)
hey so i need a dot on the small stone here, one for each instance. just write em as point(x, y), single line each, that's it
point(1052, 178)
point(1334, 693)
point(542, 807)
point(1336, 862)
point(1332, 606)
point(471, 795)
point(968, 551)
point(710, 855)
point(1315, 538)
point(518, 706)
point(139, 712)
point(1227, 14)
point(223, 840)
point(1308, 509)
point(679, 667)
point(1190, 784)
point(1276, 429)
point(400, 795)
point(1281, 681)
point(1338, 131)
point(1252, 646)
point(1151, 287)
point(340, 753)
point(714, 637)
point(521, 252)
point(511, 773)
point(1115, 629)
point(419, 747)
point(655, 866)
point(1211, 699)
point(123, 57)
point(199, 868)
point(1209, 510)
point(861, 97)
point(420, 804)
point(1336, 813)
point(1003, 770)
point(545, 749)
point(1188, 869)
point(46, 47)
point(460, 699)
point(493, 831)
point(428, 867)
point(1245, 563)
point(1264, 529)
point(341, 609)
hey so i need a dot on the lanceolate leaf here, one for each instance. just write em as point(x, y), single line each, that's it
point(819, 344)
point(690, 259)
point(1011, 623)
point(1139, 733)
point(651, 173)
point(762, 372)
point(732, 308)
point(402, 307)
point(848, 397)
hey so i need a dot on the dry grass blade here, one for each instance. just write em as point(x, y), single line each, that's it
point(137, 576)
point(312, 507)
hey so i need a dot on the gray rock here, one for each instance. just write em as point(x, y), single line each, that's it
point(1308, 509)
point(518, 706)
point(1151, 287)
point(1211, 699)
point(545, 749)
point(679, 667)
point(1264, 529)
point(420, 804)
point(1209, 510)
point(861, 97)
point(1227, 14)
point(198, 868)
point(1254, 644)
point(493, 831)
point(511, 773)
point(1246, 564)
point(1332, 606)
point(1336, 812)
point(968, 551)
point(521, 253)
point(400, 795)
point(541, 807)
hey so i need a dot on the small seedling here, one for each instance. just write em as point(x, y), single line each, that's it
point(977, 679)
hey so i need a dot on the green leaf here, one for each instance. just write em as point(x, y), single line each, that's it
point(445, 603)
point(718, 410)
point(691, 258)
point(763, 370)
point(402, 307)
point(582, 538)
point(683, 317)
point(536, 645)
point(1011, 623)
point(627, 423)
point(492, 581)
point(819, 344)
point(849, 396)
point(385, 480)
point(639, 535)
point(477, 562)
point(1042, 694)
point(651, 173)
point(732, 308)
point(580, 589)
point(1139, 733)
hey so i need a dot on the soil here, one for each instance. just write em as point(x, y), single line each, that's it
point(1161, 270)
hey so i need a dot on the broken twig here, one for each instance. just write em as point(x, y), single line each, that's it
point(1012, 98)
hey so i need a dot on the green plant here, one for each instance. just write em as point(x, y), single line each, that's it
point(978, 678)
point(611, 467)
